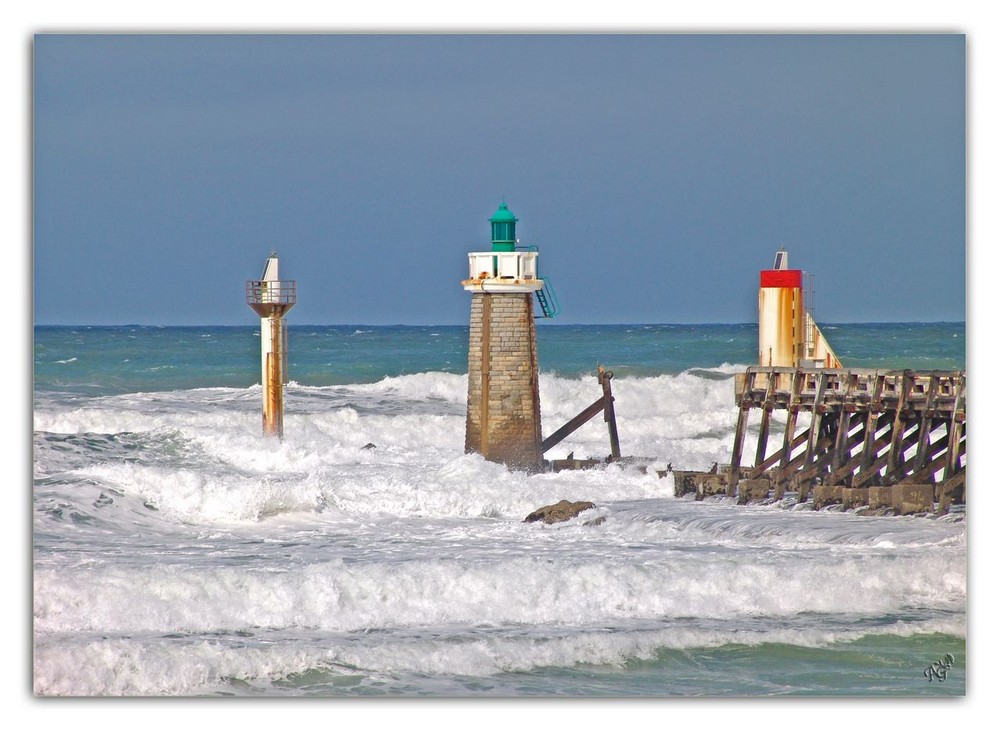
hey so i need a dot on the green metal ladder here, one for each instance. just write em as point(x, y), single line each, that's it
point(547, 294)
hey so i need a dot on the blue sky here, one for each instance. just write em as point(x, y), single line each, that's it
point(657, 173)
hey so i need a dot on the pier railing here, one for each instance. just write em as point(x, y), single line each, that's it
point(939, 391)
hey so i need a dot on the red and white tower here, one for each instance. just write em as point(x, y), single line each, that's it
point(787, 334)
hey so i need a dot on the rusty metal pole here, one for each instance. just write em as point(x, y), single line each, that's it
point(273, 410)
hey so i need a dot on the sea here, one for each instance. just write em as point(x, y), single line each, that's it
point(178, 552)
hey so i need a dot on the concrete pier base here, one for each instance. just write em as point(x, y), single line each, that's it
point(777, 487)
point(683, 483)
point(707, 485)
point(854, 498)
point(908, 499)
point(824, 495)
point(879, 497)
point(754, 490)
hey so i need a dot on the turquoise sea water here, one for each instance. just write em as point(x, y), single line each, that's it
point(133, 358)
point(178, 552)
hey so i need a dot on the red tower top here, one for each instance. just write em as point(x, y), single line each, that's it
point(780, 276)
point(781, 279)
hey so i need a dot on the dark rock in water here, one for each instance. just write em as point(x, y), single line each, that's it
point(559, 512)
point(369, 446)
point(595, 522)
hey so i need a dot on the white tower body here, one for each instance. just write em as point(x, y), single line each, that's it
point(271, 298)
point(787, 334)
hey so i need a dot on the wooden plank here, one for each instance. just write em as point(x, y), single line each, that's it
point(816, 424)
point(765, 420)
point(893, 476)
point(765, 427)
point(734, 465)
point(783, 473)
point(862, 479)
point(777, 456)
point(790, 442)
point(573, 424)
point(921, 474)
point(820, 462)
point(956, 429)
point(948, 491)
point(898, 423)
point(841, 442)
point(741, 427)
point(840, 474)
point(875, 422)
point(926, 423)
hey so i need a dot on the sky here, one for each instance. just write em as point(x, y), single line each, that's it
point(657, 173)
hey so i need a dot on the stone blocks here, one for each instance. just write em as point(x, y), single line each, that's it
point(503, 419)
point(825, 495)
point(753, 490)
point(879, 497)
point(709, 484)
point(855, 497)
point(908, 499)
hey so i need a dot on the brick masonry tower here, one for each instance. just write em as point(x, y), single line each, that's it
point(503, 421)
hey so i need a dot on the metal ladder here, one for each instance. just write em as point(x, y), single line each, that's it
point(547, 299)
point(546, 295)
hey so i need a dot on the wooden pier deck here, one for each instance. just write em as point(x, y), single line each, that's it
point(889, 439)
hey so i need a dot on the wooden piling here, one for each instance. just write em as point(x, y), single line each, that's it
point(741, 428)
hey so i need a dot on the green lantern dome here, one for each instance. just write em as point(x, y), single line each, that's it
point(502, 227)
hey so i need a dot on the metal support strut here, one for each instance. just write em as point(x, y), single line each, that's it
point(603, 404)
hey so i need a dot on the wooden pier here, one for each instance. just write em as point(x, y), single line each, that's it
point(891, 440)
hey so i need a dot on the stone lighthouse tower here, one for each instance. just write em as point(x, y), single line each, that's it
point(503, 420)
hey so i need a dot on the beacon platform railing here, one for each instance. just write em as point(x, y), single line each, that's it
point(515, 265)
point(270, 292)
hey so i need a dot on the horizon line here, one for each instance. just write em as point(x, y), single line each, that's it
point(547, 324)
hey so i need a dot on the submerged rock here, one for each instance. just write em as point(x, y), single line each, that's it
point(559, 512)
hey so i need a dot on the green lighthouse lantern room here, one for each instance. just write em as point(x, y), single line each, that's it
point(502, 224)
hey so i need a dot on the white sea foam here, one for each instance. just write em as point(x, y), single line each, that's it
point(179, 665)
point(225, 555)
point(420, 590)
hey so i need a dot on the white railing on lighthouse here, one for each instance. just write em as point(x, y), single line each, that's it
point(516, 265)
